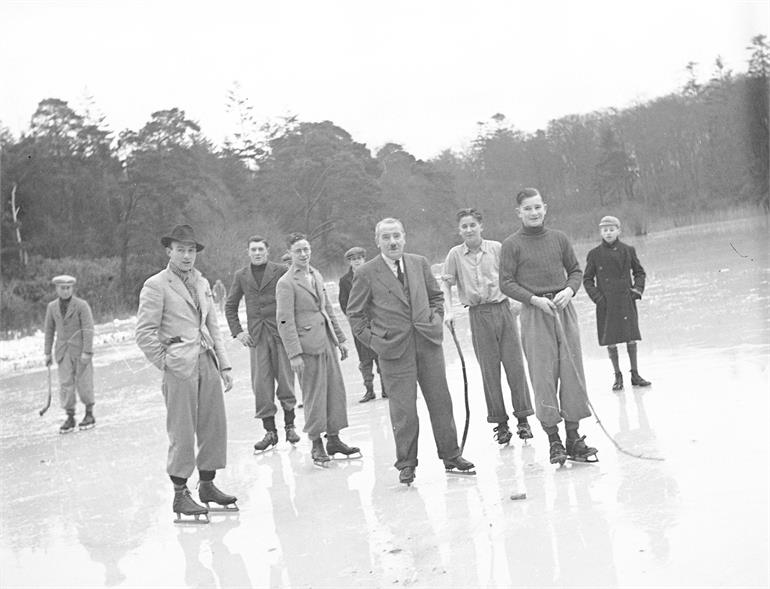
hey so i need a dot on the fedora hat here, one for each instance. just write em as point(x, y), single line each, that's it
point(182, 234)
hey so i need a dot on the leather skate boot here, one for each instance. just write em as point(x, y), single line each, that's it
point(291, 434)
point(184, 504)
point(618, 384)
point(382, 388)
point(336, 446)
point(270, 439)
point(557, 453)
point(578, 451)
point(208, 493)
point(502, 433)
point(406, 475)
point(369, 395)
point(318, 454)
point(524, 431)
point(638, 381)
point(68, 425)
point(459, 465)
point(88, 421)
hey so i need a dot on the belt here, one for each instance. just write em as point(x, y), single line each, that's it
point(487, 305)
point(548, 295)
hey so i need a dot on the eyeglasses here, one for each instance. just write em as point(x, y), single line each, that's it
point(301, 250)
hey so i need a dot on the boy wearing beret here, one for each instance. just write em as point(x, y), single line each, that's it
point(614, 279)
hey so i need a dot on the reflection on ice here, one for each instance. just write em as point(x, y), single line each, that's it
point(94, 508)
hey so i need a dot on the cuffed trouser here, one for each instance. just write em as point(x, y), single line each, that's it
point(495, 339)
point(366, 360)
point(423, 363)
point(195, 407)
point(74, 374)
point(270, 365)
point(559, 391)
point(323, 393)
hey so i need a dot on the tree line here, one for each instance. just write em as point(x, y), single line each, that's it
point(78, 197)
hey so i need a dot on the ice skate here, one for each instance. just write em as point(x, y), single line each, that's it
point(578, 451)
point(638, 381)
point(269, 441)
point(68, 425)
point(524, 431)
point(406, 475)
point(558, 453)
point(459, 465)
point(618, 384)
point(291, 435)
point(368, 395)
point(319, 455)
point(208, 493)
point(88, 421)
point(185, 505)
point(336, 446)
point(502, 434)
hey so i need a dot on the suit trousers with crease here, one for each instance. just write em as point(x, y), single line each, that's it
point(559, 391)
point(423, 363)
point(323, 393)
point(195, 408)
point(270, 365)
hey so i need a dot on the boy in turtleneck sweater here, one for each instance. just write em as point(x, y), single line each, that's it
point(538, 268)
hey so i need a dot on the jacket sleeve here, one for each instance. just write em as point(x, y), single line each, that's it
point(435, 294)
point(284, 314)
point(50, 329)
point(148, 320)
point(212, 323)
point(640, 276)
point(589, 279)
point(358, 303)
point(231, 306)
point(87, 327)
point(333, 318)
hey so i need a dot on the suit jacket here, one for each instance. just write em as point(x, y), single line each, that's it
point(167, 310)
point(74, 331)
point(260, 300)
point(380, 314)
point(305, 316)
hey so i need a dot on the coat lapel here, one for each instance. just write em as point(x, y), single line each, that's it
point(388, 279)
point(413, 274)
point(302, 283)
point(267, 276)
point(178, 286)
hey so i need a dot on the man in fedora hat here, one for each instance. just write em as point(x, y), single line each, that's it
point(355, 257)
point(70, 319)
point(178, 330)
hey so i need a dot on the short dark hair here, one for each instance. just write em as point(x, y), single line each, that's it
point(257, 239)
point(475, 213)
point(527, 193)
point(294, 237)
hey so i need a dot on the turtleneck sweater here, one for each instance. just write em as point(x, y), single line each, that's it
point(535, 261)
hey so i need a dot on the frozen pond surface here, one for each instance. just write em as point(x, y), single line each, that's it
point(93, 508)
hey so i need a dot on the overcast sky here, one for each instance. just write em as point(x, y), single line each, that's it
point(420, 73)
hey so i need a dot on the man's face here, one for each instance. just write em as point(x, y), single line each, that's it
point(532, 211)
point(64, 291)
point(356, 262)
point(182, 254)
point(300, 253)
point(258, 252)
point(391, 240)
point(609, 233)
point(470, 229)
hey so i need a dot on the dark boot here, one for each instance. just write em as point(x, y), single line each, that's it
point(523, 430)
point(558, 453)
point(184, 504)
point(270, 439)
point(369, 395)
point(208, 493)
point(406, 475)
point(318, 454)
point(578, 451)
point(382, 388)
point(336, 446)
point(291, 434)
point(502, 434)
point(88, 421)
point(459, 465)
point(638, 381)
point(618, 384)
point(68, 425)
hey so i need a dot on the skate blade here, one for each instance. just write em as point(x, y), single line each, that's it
point(229, 508)
point(85, 427)
point(197, 519)
point(559, 461)
point(321, 463)
point(585, 459)
point(353, 456)
point(462, 472)
point(258, 452)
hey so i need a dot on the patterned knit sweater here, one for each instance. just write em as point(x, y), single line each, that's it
point(535, 261)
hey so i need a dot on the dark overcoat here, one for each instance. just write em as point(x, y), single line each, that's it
point(614, 279)
point(260, 300)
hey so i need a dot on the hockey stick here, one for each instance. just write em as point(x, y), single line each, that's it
point(465, 385)
point(48, 401)
point(582, 383)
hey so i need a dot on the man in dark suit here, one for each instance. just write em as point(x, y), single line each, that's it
point(396, 308)
point(268, 360)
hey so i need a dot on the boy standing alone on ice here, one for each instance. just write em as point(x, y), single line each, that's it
point(538, 268)
point(608, 281)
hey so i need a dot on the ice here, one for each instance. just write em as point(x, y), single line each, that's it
point(94, 508)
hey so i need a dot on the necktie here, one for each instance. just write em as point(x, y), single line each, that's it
point(399, 273)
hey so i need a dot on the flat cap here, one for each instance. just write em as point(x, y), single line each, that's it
point(609, 220)
point(64, 279)
point(355, 252)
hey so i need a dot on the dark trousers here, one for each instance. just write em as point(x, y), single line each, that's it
point(423, 363)
point(366, 360)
